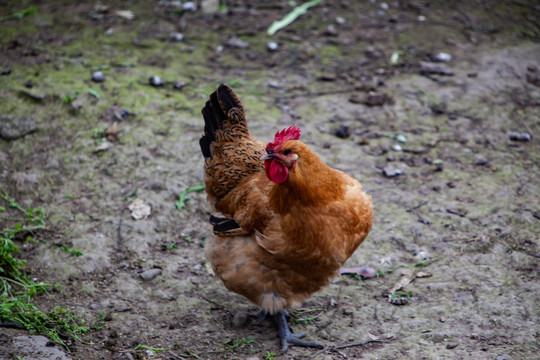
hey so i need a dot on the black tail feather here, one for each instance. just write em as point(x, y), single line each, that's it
point(215, 113)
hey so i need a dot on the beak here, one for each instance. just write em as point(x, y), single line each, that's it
point(268, 155)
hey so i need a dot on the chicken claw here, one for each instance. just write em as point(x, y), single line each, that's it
point(287, 337)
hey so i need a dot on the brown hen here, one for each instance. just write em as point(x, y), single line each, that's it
point(285, 222)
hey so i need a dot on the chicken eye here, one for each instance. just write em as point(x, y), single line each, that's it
point(287, 152)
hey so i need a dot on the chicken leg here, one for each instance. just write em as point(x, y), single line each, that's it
point(286, 336)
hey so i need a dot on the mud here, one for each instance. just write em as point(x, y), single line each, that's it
point(465, 208)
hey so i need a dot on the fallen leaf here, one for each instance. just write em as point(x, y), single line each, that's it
point(139, 209)
point(106, 145)
point(112, 131)
point(125, 14)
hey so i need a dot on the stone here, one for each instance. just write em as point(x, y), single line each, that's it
point(12, 128)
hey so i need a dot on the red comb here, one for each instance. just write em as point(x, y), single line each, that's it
point(290, 133)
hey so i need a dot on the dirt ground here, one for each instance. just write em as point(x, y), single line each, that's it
point(449, 150)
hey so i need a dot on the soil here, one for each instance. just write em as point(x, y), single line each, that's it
point(449, 151)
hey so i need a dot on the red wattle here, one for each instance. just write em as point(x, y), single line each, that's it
point(276, 171)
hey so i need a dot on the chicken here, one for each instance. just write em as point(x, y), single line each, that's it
point(284, 221)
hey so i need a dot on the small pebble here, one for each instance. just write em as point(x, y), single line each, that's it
point(235, 42)
point(421, 255)
point(97, 76)
point(401, 138)
point(384, 6)
point(176, 36)
point(155, 81)
point(434, 68)
point(519, 136)
point(189, 6)
point(347, 311)
point(274, 84)
point(391, 172)
point(272, 45)
point(340, 20)
point(439, 165)
point(150, 274)
point(397, 148)
point(109, 32)
point(178, 85)
point(421, 18)
point(331, 30)
point(219, 48)
point(375, 98)
point(343, 132)
point(443, 57)
point(6, 71)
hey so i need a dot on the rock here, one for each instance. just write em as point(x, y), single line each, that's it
point(5, 71)
point(33, 95)
point(343, 132)
point(443, 57)
point(434, 68)
point(274, 84)
point(240, 319)
point(421, 18)
point(340, 20)
point(178, 85)
point(401, 138)
point(327, 77)
point(235, 42)
point(176, 36)
point(35, 347)
point(421, 255)
point(347, 311)
point(151, 274)
point(391, 172)
point(12, 128)
point(272, 45)
point(373, 53)
point(155, 81)
point(376, 98)
point(519, 136)
point(98, 76)
point(189, 6)
point(331, 30)
point(397, 148)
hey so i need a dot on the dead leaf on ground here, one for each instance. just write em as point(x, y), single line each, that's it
point(140, 209)
point(112, 131)
point(405, 280)
point(106, 145)
point(125, 14)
